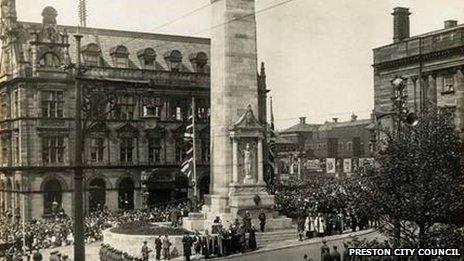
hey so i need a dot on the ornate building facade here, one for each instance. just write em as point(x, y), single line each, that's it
point(152, 77)
point(432, 64)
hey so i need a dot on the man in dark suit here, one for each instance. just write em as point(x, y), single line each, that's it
point(335, 255)
point(325, 250)
point(158, 245)
point(145, 251)
point(187, 242)
point(262, 220)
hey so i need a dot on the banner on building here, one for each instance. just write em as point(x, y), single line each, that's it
point(347, 168)
point(366, 161)
point(313, 164)
point(330, 165)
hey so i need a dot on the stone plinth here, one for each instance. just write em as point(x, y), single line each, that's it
point(194, 222)
point(132, 244)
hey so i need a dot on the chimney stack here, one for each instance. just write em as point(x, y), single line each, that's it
point(302, 120)
point(354, 117)
point(400, 24)
point(335, 120)
point(450, 24)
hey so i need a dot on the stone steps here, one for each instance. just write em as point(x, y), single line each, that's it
point(265, 238)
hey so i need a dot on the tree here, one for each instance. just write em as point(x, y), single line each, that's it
point(416, 185)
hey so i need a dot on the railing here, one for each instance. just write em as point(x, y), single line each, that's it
point(164, 78)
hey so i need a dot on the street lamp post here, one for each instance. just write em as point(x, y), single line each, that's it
point(400, 114)
point(78, 71)
point(79, 242)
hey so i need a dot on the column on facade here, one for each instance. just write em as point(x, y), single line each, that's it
point(415, 94)
point(235, 161)
point(138, 201)
point(260, 161)
point(14, 194)
point(423, 86)
point(112, 199)
point(67, 201)
point(37, 203)
point(432, 88)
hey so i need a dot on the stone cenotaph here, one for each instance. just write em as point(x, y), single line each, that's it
point(237, 185)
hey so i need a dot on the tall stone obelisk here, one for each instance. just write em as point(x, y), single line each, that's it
point(233, 82)
point(237, 184)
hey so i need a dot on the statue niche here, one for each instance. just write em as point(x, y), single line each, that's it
point(248, 162)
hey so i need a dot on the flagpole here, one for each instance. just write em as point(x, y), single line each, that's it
point(195, 190)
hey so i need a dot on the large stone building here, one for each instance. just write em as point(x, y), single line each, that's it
point(432, 64)
point(153, 78)
point(305, 147)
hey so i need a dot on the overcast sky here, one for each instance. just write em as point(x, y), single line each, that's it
point(318, 53)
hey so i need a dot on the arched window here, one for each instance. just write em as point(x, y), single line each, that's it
point(97, 194)
point(147, 58)
point(126, 194)
point(92, 54)
point(174, 60)
point(120, 55)
point(199, 62)
point(49, 60)
point(52, 193)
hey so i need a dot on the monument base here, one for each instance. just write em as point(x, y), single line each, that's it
point(243, 198)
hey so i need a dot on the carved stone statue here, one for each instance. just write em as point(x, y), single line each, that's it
point(247, 163)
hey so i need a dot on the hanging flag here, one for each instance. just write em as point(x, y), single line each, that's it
point(330, 165)
point(347, 168)
point(271, 146)
point(188, 167)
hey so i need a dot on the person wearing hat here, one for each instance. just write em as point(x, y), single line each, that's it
point(145, 251)
point(54, 256)
point(158, 247)
point(346, 255)
point(37, 256)
point(335, 255)
point(324, 249)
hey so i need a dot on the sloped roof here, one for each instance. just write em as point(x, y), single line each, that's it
point(344, 124)
point(301, 127)
point(282, 140)
point(135, 42)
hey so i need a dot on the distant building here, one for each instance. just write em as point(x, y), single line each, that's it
point(305, 147)
point(432, 64)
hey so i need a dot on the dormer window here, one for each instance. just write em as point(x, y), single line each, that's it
point(199, 61)
point(91, 55)
point(49, 60)
point(147, 58)
point(120, 56)
point(174, 60)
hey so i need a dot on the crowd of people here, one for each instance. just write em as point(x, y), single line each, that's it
point(311, 224)
point(56, 231)
point(222, 240)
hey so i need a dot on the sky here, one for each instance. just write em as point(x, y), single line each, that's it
point(318, 53)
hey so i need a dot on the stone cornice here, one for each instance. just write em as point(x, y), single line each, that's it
point(418, 58)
